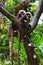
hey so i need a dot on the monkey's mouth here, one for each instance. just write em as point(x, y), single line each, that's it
point(25, 21)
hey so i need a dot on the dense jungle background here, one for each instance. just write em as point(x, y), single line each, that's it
point(36, 35)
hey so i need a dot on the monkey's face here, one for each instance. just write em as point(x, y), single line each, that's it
point(21, 14)
point(27, 17)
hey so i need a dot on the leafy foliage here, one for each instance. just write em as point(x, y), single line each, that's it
point(32, 8)
point(10, 5)
point(37, 39)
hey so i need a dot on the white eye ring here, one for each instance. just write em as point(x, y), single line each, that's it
point(29, 13)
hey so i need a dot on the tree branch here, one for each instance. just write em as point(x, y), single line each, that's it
point(21, 6)
point(37, 15)
point(32, 59)
point(10, 16)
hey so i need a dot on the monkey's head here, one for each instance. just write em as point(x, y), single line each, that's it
point(27, 17)
point(21, 14)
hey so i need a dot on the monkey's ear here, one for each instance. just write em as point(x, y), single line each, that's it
point(29, 14)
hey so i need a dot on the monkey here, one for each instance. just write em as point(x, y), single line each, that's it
point(24, 17)
point(19, 16)
point(27, 22)
point(27, 17)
